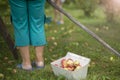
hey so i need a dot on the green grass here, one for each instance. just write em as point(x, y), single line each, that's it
point(69, 37)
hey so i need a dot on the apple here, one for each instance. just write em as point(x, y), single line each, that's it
point(65, 68)
point(64, 63)
point(78, 67)
point(70, 68)
point(70, 62)
point(76, 63)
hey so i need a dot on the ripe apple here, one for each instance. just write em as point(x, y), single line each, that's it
point(70, 62)
point(64, 63)
point(70, 68)
point(65, 68)
point(77, 67)
point(76, 63)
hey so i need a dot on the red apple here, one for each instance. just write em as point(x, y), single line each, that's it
point(70, 68)
point(69, 64)
point(64, 63)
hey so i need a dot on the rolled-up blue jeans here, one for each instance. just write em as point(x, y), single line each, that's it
point(28, 21)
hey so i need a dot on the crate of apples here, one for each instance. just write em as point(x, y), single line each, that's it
point(70, 64)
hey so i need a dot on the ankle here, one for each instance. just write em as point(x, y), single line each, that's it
point(24, 66)
point(39, 59)
point(40, 63)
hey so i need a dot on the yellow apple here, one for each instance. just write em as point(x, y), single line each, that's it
point(70, 62)
point(77, 67)
point(76, 63)
point(65, 68)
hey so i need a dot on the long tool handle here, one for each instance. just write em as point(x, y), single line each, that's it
point(84, 28)
point(6, 36)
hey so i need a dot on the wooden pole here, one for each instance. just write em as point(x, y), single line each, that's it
point(84, 28)
point(6, 36)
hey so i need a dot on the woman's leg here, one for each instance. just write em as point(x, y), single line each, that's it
point(37, 32)
point(24, 51)
point(20, 22)
point(36, 22)
point(58, 17)
point(39, 55)
point(21, 30)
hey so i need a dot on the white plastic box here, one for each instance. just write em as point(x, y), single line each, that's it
point(71, 75)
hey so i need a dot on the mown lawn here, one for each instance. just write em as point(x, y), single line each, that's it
point(68, 37)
